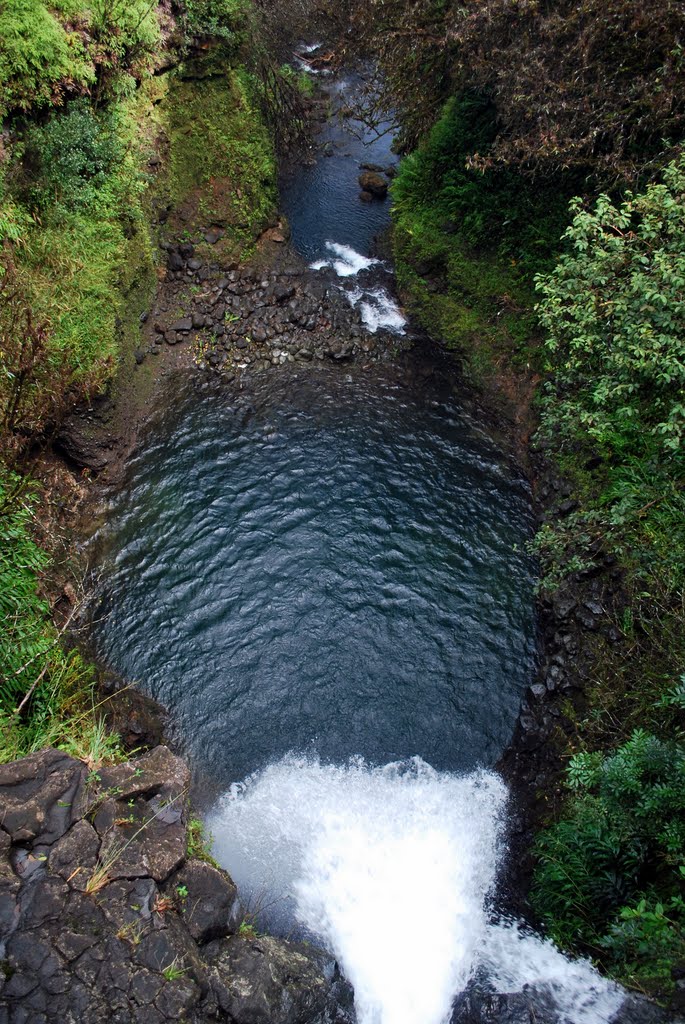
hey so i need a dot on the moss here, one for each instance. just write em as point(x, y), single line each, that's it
point(476, 303)
point(39, 56)
point(87, 270)
point(468, 244)
point(221, 165)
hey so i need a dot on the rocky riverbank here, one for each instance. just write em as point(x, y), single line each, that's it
point(110, 909)
point(232, 320)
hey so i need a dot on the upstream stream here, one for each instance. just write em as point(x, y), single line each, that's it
point(323, 575)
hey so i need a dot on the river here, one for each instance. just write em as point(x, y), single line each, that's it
point(323, 575)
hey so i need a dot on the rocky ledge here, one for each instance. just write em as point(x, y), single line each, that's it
point(238, 318)
point(108, 913)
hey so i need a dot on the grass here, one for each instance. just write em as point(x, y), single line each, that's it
point(173, 971)
point(221, 161)
point(200, 842)
point(47, 692)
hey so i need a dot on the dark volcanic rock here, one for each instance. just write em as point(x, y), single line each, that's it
point(84, 443)
point(41, 796)
point(211, 909)
point(87, 936)
point(264, 980)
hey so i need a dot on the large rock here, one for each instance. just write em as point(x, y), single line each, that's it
point(265, 980)
point(102, 917)
point(208, 898)
point(41, 796)
point(374, 183)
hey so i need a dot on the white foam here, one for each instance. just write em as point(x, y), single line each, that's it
point(344, 260)
point(515, 958)
point(378, 309)
point(390, 869)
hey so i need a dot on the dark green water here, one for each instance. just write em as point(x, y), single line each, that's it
point(333, 562)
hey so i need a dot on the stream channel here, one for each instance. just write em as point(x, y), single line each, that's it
point(323, 575)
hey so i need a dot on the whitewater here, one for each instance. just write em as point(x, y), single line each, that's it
point(392, 869)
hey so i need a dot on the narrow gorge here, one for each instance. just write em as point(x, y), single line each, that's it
point(312, 602)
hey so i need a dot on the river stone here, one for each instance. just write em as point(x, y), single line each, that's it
point(372, 182)
point(265, 980)
point(185, 324)
point(211, 908)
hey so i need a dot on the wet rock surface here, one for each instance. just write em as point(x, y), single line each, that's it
point(534, 1006)
point(105, 916)
point(232, 320)
point(247, 320)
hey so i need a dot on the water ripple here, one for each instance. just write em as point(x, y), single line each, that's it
point(355, 584)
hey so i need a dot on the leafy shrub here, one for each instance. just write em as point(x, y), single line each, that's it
point(621, 841)
point(220, 19)
point(40, 60)
point(614, 314)
point(67, 160)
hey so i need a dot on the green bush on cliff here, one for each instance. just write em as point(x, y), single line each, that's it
point(480, 236)
point(51, 52)
point(614, 317)
point(218, 19)
point(68, 159)
point(613, 311)
point(40, 58)
point(610, 873)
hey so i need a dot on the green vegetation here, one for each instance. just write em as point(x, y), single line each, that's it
point(40, 57)
point(200, 842)
point(85, 117)
point(610, 875)
point(47, 692)
point(225, 20)
point(172, 972)
point(595, 86)
point(611, 871)
point(477, 237)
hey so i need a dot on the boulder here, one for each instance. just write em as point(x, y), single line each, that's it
point(41, 796)
point(208, 898)
point(263, 980)
point(374, 183)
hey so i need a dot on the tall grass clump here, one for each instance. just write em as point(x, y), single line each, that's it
point(47, 691)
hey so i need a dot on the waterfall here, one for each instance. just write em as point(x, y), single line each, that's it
point(390, 868)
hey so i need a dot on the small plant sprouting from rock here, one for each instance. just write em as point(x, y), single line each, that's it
point(200, 842)
point(173, 971)
point(101, 873)
point(247, 930)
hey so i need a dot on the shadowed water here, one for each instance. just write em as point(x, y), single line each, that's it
point(322, 201)
point(332, 563)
